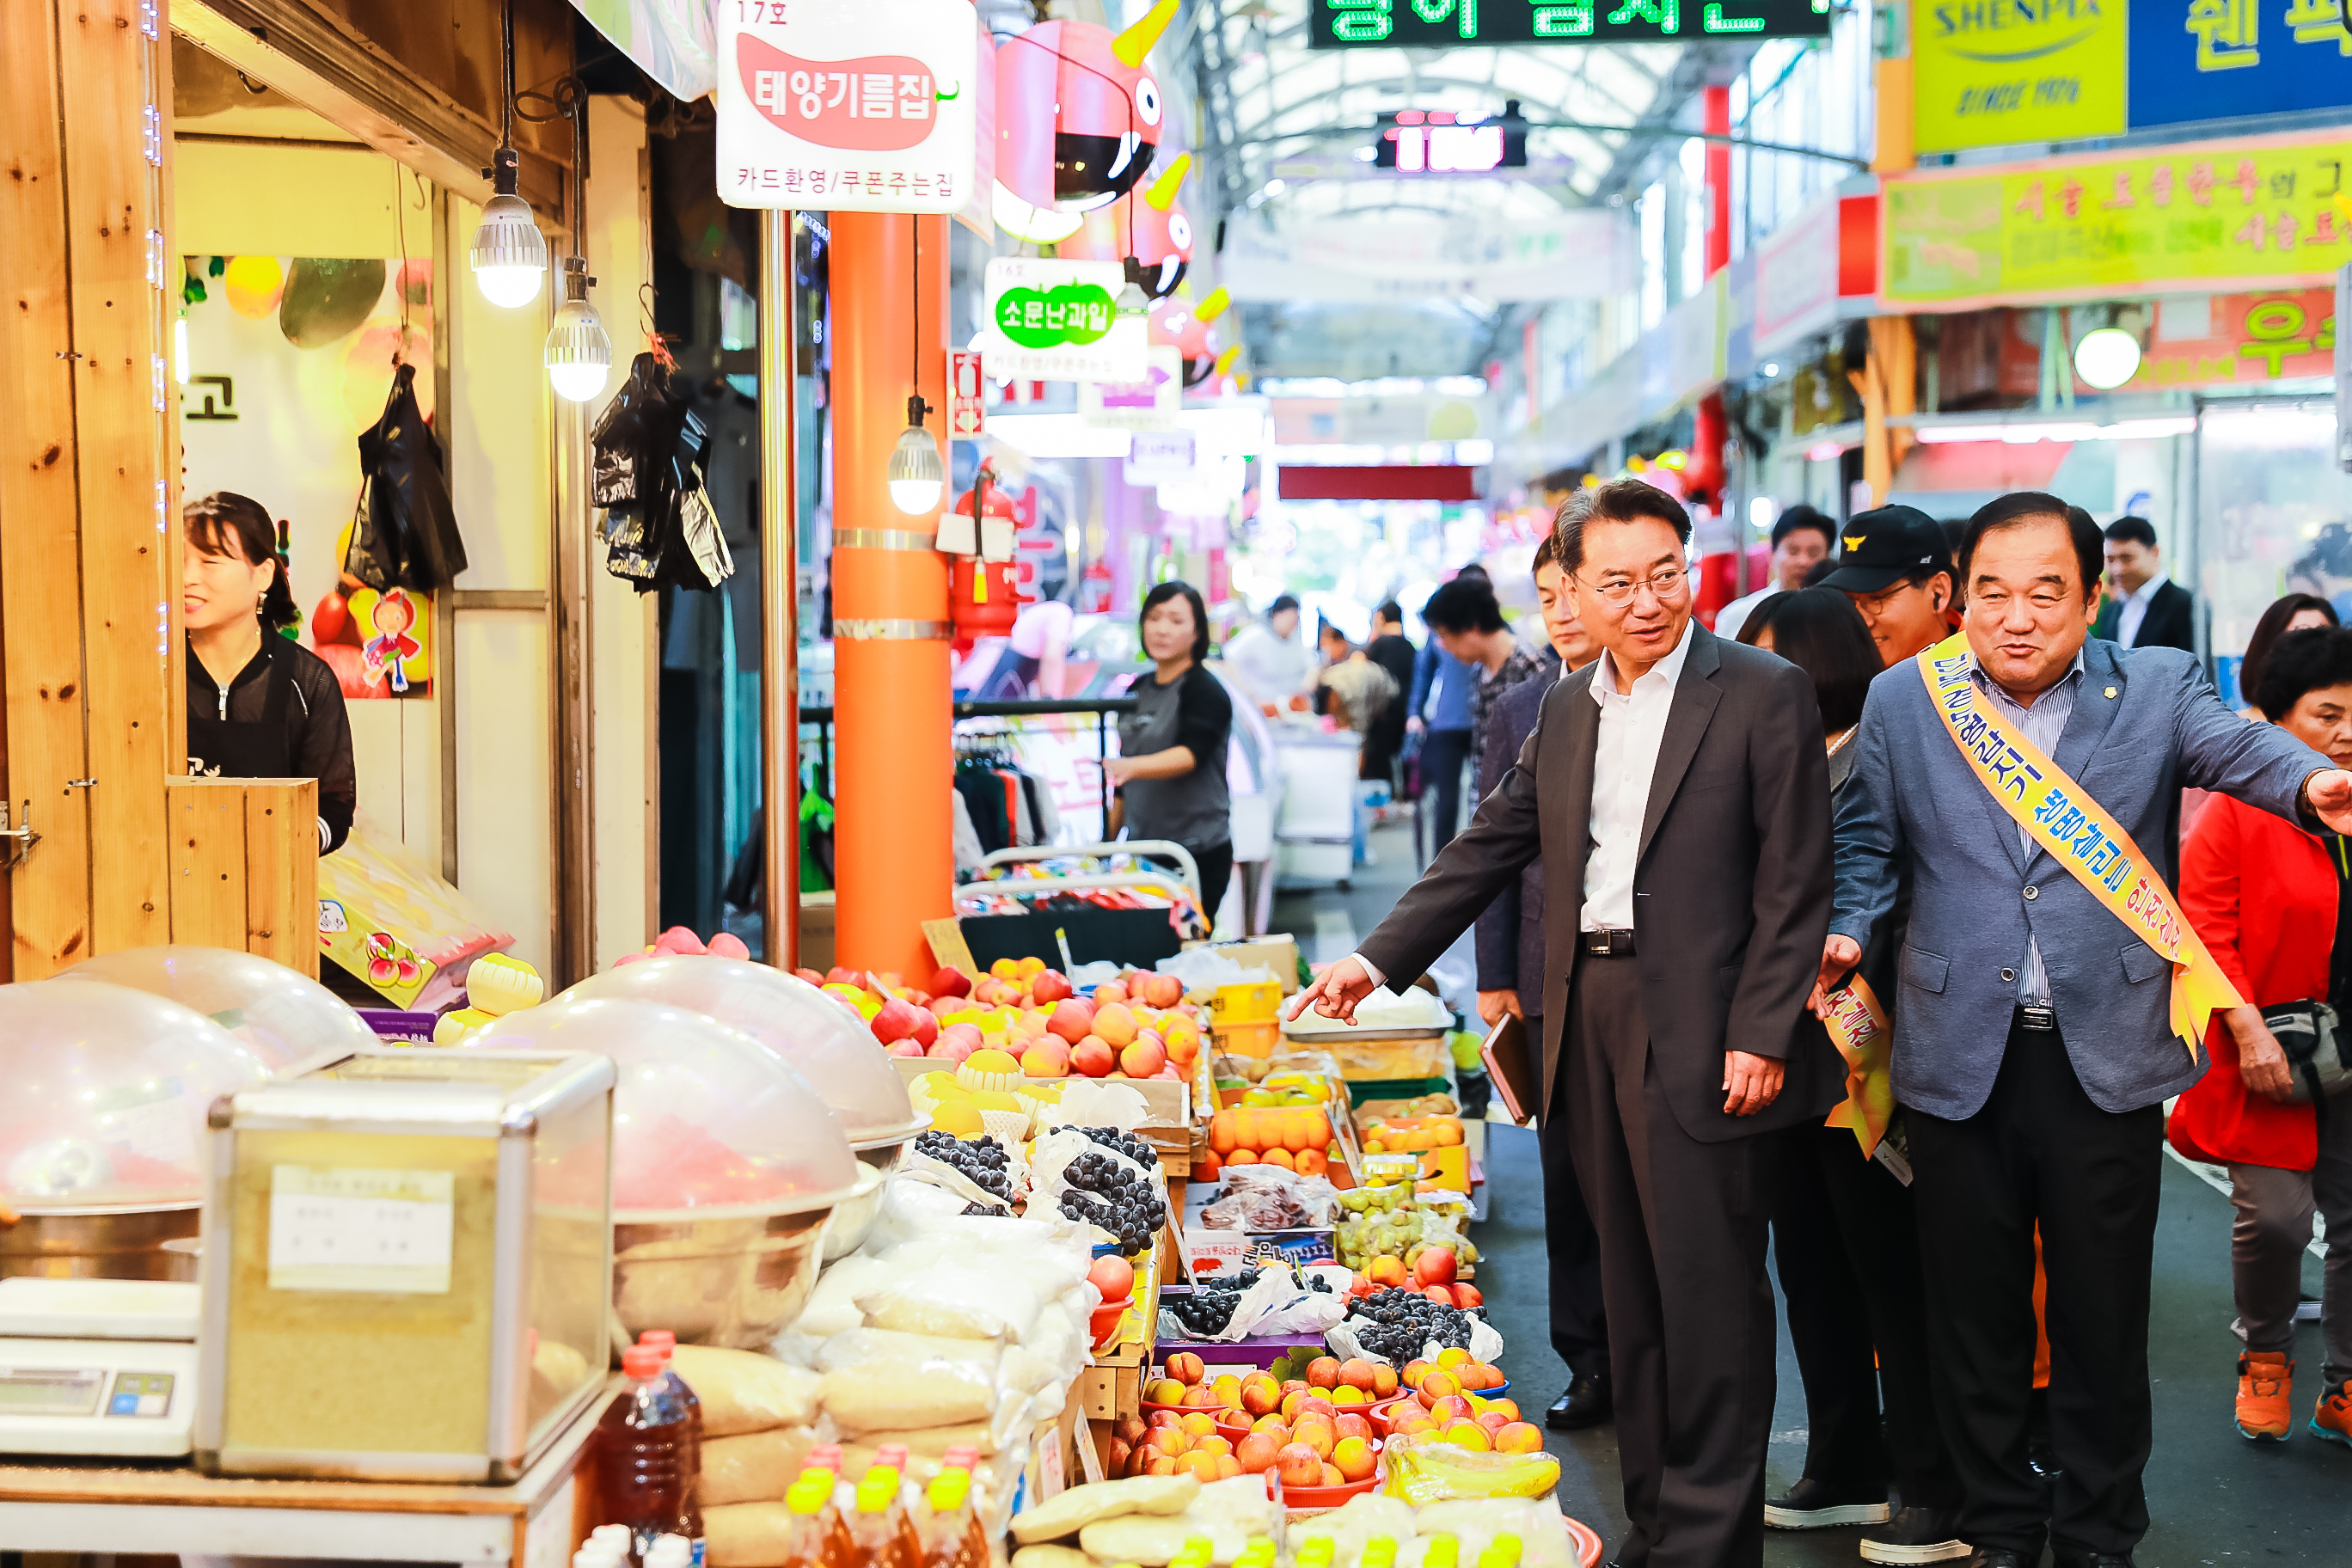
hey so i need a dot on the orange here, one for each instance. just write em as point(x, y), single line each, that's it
point(1221, 1133)
point(1296, 1127)
point(1279, 1157)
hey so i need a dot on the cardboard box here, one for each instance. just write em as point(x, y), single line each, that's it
point(1277, 953)
point(1211, 1255)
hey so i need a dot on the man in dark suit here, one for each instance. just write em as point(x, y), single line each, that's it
point(1392, 651)
point(2145, 608)
point(2034, 1037)
point(1511, 980)
point(1677, 790)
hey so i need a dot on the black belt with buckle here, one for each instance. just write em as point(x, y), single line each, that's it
point(2039, 1020)
point(1607, 943)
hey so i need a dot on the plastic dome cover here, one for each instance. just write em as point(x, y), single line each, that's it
point(703, 1117)
point(108, 1093)
point(822, 1038)
point(281, 1015)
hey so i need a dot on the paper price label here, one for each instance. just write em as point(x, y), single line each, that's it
point(349, 1229)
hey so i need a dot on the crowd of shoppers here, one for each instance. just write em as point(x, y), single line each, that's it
point(1942, 676)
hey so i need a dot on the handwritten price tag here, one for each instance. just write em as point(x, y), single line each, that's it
point(348, 1229)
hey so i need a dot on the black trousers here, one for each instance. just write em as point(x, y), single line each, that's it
point(1443, 753)
point(2040, 1151)
point(1845, 1231)
point(1690, 1340)
point(1580, 1321)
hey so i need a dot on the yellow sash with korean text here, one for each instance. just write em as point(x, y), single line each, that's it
point(1858, 1028)
point(2071, 829)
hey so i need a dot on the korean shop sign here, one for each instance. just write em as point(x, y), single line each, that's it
point(2228, 340)
point(1484, 24)
point(2209, 217)
point(1996, 72)
point(862, 108)
point(1059, 320)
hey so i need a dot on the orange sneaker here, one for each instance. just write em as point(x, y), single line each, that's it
point(2263, 1377)
point(2332, 1420)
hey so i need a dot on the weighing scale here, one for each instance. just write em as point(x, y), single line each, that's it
point(102, 1368)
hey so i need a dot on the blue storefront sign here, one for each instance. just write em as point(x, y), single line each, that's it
point(2219, 59)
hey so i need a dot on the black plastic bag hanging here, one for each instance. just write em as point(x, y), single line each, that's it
point(405, 535)
point(660, 530)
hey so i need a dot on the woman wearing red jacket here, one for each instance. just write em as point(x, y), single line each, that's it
point(2269, 899)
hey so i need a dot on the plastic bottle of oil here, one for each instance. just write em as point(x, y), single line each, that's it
point(878, 1529)
point(965, 1457)
point(642, 1446)
point(666, 1342)
point(946, 1531)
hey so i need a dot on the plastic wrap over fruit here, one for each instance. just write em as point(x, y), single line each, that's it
point(1426, 1473)
point(703, 1117)
point(818, 1036)
point(281, 1016)
point(108, 1091)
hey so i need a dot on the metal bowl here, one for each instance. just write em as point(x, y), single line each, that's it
point(100, 1244)
point(854, 1216)
point(734, 1280)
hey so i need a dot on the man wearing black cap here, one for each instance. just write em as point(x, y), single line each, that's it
point(1897, 570)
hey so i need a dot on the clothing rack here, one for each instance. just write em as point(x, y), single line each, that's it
point(1102, 708)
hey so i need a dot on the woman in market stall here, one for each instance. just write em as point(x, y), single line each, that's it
point(1170, 770)
point(259, 704)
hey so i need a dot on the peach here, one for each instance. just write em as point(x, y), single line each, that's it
point(1384, 1380)
point(1213, 1445)
point(1469, 1434)
point(1047, 1058)
point(1228, 1467)
point(1028, 968)
point(1491, 1422)
point(1199, 1396)
point(1298, 1466)
point(1354, 1458)
point(1071, 1019)
point(1260, 1398)
point(1170, 1440)
point(1317, 1435)
point(1517, 1438)
point(1091, 1057)
point(1203, 1466)
point(1331, 1476)
point(1257, 1452)
point(1357, 1372)
point(1453, 1356)
point(1452, 1407)
point(1162, 990)
point(1414, 1370)
point(1110, 990)
point(1141, 1058)
point(1196, 1423)
point(1315, 1404)
point(1166, 1418)
point(1347, 1394)
point(1272, 1423)
point(1049, 985)
point(1509, 1407)
point(1434, 1385)
point(1186, 1367)
point(1162, 1466)
point(1323, 1372)
point(1114, 1022)
point(1385, 1271)
point(1164, 1391)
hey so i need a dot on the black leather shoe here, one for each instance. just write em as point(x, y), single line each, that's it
point(1819, 1505)
point(2068, 1559)
point(1586, 1403)
point(2001, 1557)
point(1916, 1535)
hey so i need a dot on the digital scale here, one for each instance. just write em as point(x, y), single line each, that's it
point(100, 1368)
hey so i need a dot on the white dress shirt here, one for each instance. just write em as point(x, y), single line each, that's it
point(1632, 723)
point(2135, 611)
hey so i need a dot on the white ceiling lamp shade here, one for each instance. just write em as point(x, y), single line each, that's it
point(510, 254)
point(579, 356)
point(917, 477)
point(2106, 358)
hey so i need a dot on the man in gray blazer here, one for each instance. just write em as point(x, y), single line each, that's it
point(1677, 790)
point(2033, 1042)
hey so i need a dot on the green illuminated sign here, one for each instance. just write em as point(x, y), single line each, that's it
point(1047, 318)
point(1442, 23)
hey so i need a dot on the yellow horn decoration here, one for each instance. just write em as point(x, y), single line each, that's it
point(1162, 192)
point(1225, 359)
point(1214, 306)
point(1131, 46)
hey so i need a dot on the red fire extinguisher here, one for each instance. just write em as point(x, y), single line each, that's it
point(982, 597)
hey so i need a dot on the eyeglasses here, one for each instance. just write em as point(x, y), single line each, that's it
point(1663, 586)
point(1874, 605)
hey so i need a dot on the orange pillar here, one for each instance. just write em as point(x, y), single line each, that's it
point(894, 863)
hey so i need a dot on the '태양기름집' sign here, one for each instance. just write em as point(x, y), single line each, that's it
point(1999, 72)
point(2249, 214)
point(862, 108)
point(1060, 320)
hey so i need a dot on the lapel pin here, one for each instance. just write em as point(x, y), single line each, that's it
point(2111, 692)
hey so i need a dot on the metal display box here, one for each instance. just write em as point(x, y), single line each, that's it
point(407, 1263)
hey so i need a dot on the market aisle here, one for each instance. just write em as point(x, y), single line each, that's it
point(2216, 1498)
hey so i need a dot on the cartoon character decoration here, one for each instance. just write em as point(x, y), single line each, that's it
point(389, 651)
point(1147, 229)
point(1189, 328)
point(1077, 122)
point(378, 645)
point(496, 985)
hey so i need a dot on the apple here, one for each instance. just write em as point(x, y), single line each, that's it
point(951, 1049)
point(1047, 1058)
point(837, 975)
point(1433, 1267)
point(1110, 990)
point(964, 1033)
point(1090, 1057)
point(1354, 1457)
point(1469, 1296)
point(904, 1048)
point(1296, 1465)
point(727, 944)
point(1049, 985)
point(1385, 1271)
point(1114, 1022)
point(814, 978)
point(899, 1020)
point(1441, 1294)
point(1073, 1019)
point(946, 982)
point(1114, 1277)
point(1131, 1427)
point(1323, 1372)
point(678, 940)
point(1142, 1061)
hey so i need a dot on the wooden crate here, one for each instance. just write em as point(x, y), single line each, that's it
point(244, 867)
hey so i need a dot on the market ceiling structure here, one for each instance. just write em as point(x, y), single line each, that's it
point(1282, 123)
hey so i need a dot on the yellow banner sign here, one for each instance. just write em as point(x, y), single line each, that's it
point(2207, 216)
point(2065, 823)
point(1858, 1028)
point(1985, 73)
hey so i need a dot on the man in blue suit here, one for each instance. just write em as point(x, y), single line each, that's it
point(2033, 1042)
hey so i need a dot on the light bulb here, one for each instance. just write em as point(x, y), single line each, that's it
point(917, 474)
point(2107, 358)
point(579, 356)
point(509, 257)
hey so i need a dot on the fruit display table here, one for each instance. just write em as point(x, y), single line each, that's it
point(109, 1507)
